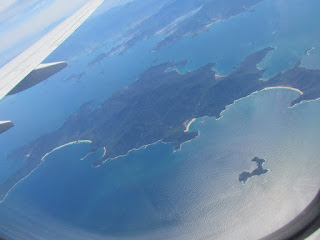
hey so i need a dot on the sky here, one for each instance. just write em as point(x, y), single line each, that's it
point(22, 22)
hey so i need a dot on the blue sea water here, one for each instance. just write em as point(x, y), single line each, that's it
point(288, 26)
point(153, 190)
point(192, 192)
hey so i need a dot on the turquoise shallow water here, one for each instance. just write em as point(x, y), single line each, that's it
point(190, 193)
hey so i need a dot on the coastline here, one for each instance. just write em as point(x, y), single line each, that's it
point(131, 150)
point(42, 160)
point(255, 92)
point(90, 153)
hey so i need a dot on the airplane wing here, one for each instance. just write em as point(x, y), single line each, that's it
point(26, 69)
point(17, 69)
point(5, 125)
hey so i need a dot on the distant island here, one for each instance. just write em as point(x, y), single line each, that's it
point(158, 107)
point(185, 18)
point(245, 176)
point(308, 51)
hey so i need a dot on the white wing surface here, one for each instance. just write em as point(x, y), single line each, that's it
point(16, 70)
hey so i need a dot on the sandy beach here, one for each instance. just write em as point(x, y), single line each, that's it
point(188, 123)
point(64, 145)
point(283, 87)
point(218, 77)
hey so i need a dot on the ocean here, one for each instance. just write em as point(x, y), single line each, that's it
point(193, 193)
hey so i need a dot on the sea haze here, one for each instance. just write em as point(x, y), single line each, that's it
point(187, 194)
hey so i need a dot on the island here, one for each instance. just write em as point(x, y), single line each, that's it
point(177, 19)
point(308, 51)
point(76, 77)
point(245, 176)
point(158, 107)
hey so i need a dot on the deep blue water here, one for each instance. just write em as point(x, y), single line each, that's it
point(153, 190)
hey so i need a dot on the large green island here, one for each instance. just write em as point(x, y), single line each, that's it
point(155, 108)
